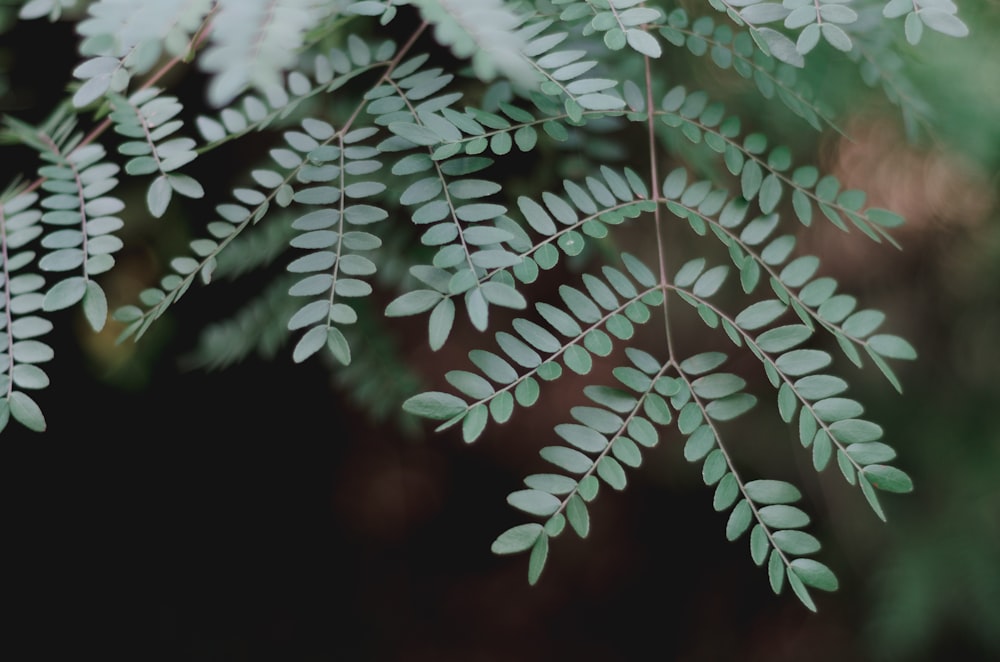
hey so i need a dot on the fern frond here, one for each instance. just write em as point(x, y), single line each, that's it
point(464, 228)
point(594, 316)
point(331, 234)
point(766, 177)
point(78, 180)
point(704, 398)
point(814, 300)
point(585, 211)
point(149, 119)
point(603, 439)
point(827, 422)
point(563, 74)
point(20, 327)
point(233, 219)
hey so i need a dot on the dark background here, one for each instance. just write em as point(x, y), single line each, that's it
point(257, 514)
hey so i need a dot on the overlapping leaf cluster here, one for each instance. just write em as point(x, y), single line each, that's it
point(382, 193)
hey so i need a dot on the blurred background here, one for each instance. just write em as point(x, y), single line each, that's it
point(260, 513)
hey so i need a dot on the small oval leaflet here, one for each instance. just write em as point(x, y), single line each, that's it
point(517, 539)
point(435, 405)
point(772, 492)
point(571, 460)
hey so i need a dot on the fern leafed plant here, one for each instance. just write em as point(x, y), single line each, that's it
point(387, 177)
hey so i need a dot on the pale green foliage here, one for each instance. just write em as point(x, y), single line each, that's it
point(382, 177)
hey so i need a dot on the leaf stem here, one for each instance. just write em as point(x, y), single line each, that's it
point(657, 212)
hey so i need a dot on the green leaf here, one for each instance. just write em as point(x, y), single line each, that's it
point(338, 345)
point(439, 323)
point(627, 452)
point(760, 314)
point(817, 387)
point(65, 293)
point(571, 460)
point(578, 516)
point(474, 422)
point(873, 452)
point(739, 520)
point(853, 431)
point(797, 586)
point(759, 544)
point(726, 492)
point(413, 303)
point(536, 561)
point(435, 405)
point(551, 483)
point(814, 574)
point(783, 517)
point(26, 375)
point(643, 42)
point(526, 392)
point(643, 431)
point(728, 408)
point(787, 402)
point(802, 361)
point(715, 467)
point(887, 479)
point(822, 450)
point(517, 539)
point(582, 437)
point(710, 281)
point(796, 542)
point(26, 411)
point(892, 347)
point(310, 343)
point(780, 46)
point(493, 366)
point(611, 472)
point(534, 502)
point(836, 409)
point(158, 196)
point(783, 338)
point(871, 497)
point(578, 359)
point(702, 363)
point(776, 571)
point(772, 492)
point(943, 21)
point(598, 419)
